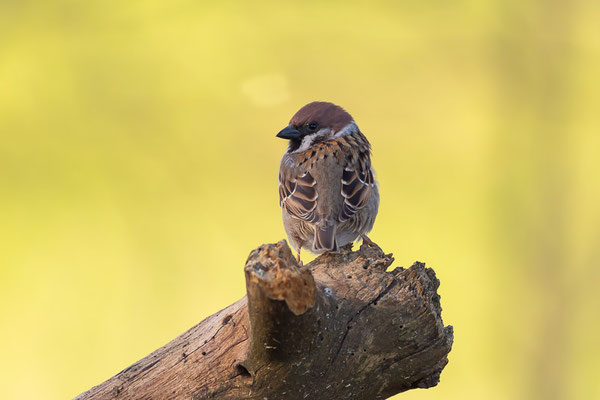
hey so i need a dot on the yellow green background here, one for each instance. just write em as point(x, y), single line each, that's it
point(138, 165)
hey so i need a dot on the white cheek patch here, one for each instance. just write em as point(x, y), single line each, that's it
point(308, 140)
point(347, 130)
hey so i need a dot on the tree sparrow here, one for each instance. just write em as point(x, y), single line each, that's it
point(327, 189)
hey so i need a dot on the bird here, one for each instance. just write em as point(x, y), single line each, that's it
point(327, 188)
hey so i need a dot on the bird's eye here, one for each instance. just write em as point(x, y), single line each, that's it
point(313, 126)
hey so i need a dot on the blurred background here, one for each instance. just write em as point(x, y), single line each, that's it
point(138, 165)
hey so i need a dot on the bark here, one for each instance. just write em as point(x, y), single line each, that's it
point(339, 328)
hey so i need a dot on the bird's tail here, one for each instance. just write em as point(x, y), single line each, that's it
point(325, 239)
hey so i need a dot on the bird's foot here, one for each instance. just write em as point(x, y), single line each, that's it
point(298, 259)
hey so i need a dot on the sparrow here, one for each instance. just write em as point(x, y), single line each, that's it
point(327, 188)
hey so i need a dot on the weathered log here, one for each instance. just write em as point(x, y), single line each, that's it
point(339, 328)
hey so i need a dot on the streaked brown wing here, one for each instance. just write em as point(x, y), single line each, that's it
point(298, 196)
point(357, 182)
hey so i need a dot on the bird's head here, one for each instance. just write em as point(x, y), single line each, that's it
point(316, 122)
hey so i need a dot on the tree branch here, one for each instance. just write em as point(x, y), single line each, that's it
point(341, 327)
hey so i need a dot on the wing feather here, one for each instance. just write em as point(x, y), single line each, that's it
point(298, 196)
point(357, 182)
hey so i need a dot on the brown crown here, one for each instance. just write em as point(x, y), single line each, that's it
point(324, 113)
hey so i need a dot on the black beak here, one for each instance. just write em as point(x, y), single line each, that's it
point(289, 133)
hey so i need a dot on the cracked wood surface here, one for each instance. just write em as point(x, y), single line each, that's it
point(341, 327)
